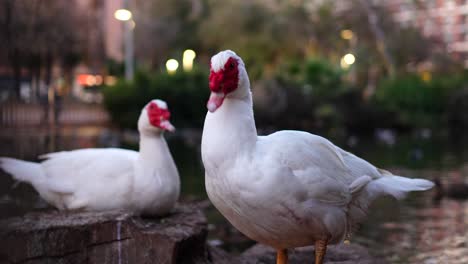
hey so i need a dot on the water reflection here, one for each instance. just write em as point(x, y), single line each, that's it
point(429, 235)
point(443, 233)
point(29, 143)
point(417, 230)
point(412, 231)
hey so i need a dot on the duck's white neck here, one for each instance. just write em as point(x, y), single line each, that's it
point(152, 147)
point(230, 130)
point(156, 185)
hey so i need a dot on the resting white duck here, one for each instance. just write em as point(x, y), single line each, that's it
point(144, 182)
point(288, 189)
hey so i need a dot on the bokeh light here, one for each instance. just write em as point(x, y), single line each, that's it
point(123, 14)
point(187, 60)
point(171, 66)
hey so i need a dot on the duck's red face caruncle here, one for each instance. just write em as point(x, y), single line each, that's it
point(222, 82)
point(159, 117)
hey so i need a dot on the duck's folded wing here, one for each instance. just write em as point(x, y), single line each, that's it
point(319, 166)
point(68, 170)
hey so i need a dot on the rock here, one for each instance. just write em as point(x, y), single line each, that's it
point(106, 237)
point(342, 254)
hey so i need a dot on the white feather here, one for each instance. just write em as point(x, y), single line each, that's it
point(398, 186)
point(219, 60)
point(24, 171)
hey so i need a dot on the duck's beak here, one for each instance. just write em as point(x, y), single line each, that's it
point(166, 125)
point(215, 101)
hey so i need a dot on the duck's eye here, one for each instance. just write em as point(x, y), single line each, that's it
point(232, 65)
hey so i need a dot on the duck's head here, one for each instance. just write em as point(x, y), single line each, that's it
point(154, 118)
point(228, 79)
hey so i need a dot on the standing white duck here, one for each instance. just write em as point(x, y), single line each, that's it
point(288, 189)
point(144, 182)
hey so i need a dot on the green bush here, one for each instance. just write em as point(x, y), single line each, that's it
point(302, 95)
point(322, 78)
point(317, 77)
point(185, 93)
point(416, 102)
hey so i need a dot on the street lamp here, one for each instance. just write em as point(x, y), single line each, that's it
point(125, 16)
point(187, 60)
point(171, 66)
point(347, 60)
point(347, 34)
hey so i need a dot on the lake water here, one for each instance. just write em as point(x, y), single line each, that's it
point(415, 230)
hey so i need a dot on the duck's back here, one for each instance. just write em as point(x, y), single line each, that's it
point(89, 179)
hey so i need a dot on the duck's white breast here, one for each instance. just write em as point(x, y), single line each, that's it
point(269, 209)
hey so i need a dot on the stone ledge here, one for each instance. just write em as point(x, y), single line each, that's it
point(106, 237)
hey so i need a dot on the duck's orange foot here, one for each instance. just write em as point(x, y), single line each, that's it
point(282, 256)
point(320, 250)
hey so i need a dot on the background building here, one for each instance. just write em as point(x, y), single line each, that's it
point(443, 20)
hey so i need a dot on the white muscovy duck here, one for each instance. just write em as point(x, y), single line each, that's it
point(144, 182)
point(288, 189)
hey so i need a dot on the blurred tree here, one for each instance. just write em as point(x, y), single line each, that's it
point(383, 46)
point(325, 40)
point(265, 35)
point(268, 33)
point(164, 28)
point(36, 34)
point(379, 36)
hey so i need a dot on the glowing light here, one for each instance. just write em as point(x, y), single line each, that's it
point(98, 79)
point(86, 79)
point(81, 79)
point(347, 34)
point(110, 80)
point(89, 79)
point(189, 54)
point(426, 76)
point(123, 14)
point(132, 24)
point(187, 61)
point(171, 66)
point(343, 64)
point(347, 60)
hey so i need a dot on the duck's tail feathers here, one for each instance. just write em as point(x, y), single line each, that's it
point(397, 186)
point(364, 190)
point(22, 170)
